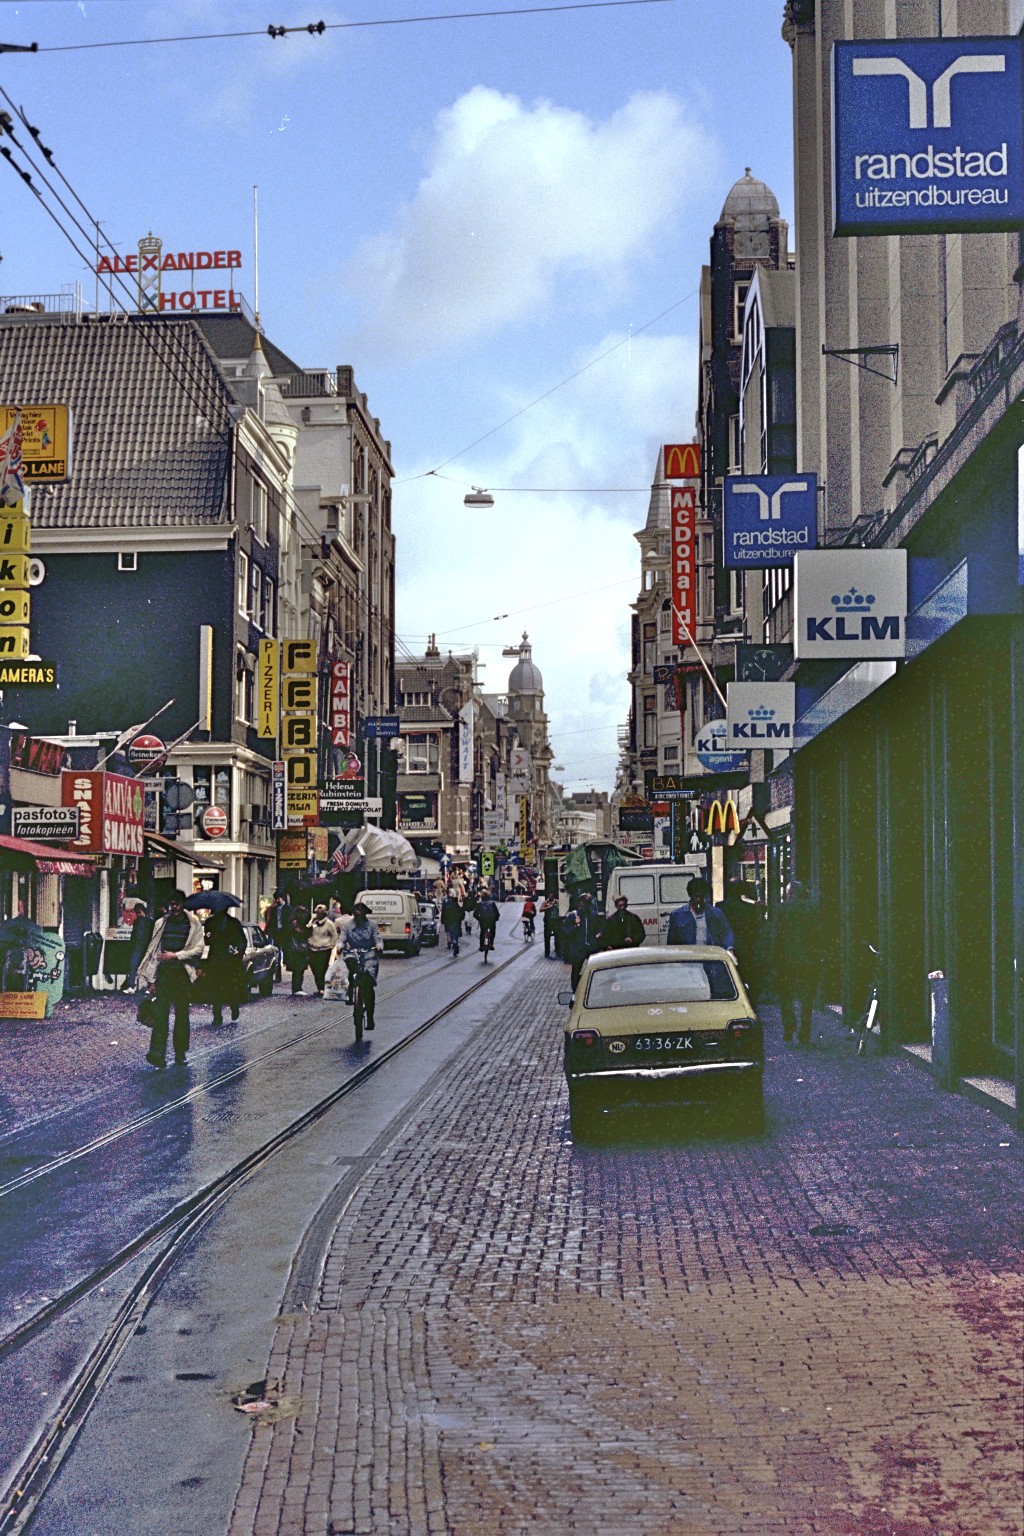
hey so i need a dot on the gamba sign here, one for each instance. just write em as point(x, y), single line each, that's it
point(851, 605)
point(927, 135)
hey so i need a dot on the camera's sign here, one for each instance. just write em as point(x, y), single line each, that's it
point(851, 605)
point(927, 135)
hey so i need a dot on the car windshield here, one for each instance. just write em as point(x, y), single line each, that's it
point(670, 981)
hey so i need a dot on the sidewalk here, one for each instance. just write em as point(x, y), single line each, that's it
point(820, 1331)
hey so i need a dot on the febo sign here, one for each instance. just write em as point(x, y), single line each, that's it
point(851, 605)
point(760, 715)
point(684, 564)
point(110, 811)
point(927, 135)
point(768, 518)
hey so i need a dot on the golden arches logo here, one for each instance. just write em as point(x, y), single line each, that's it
point(681, 461)
point(726, 816)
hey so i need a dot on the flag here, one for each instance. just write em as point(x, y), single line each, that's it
point(12, 485)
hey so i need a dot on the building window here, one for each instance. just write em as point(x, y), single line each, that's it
point(671, 753)
point(650, 730)
point(243, 585)
point(740, 289)
point(127, 560)
point(735, 446)
point(269, 615)
point(736, 591)
point(258, 510)
point(422, 753)
point(256, 596)
point(241, 672)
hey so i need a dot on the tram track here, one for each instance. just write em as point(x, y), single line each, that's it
point(178, 1226)
point(201, 1090)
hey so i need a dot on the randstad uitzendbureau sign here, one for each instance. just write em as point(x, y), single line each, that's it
point(927, 135)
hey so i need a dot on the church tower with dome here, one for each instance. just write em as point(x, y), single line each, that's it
point(530, 723)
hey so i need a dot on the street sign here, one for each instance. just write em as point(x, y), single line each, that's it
point(751, 831)
point(45, 823)
point(381, 726)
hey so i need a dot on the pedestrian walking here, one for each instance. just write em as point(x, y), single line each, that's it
point(451, 920)
point(747, 921)
point(142, 932)
point(700, 922)
point(796, 961)
point(168, 970)
point(549, 912)
point(275, 917)
point(623, 930)
point(295, 943)
point(223, 969)
point(323, 936)
point(581, 936)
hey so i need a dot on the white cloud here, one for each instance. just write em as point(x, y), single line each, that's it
point(459, 568)
point(516, 201)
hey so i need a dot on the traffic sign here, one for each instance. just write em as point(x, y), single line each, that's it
point(381, 726)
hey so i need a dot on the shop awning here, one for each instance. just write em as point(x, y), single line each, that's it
point(377, 848)
point(25, 854)
point(167, 848)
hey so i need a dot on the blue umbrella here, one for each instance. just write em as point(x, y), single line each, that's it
point(211, 901)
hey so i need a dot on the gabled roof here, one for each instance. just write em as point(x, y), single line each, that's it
point(151, 422)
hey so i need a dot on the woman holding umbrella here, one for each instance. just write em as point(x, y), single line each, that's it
point(223, 969)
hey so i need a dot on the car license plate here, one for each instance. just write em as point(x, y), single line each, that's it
point(663, 1045)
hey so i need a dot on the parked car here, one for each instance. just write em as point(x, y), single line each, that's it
point(262, 960)
point(430, 927)
point(662, 1026)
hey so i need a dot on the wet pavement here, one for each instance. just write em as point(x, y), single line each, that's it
point(469, 1325)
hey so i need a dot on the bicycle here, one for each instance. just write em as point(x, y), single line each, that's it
point(529, 930)
point(869, 1023)
point(363, 984)
point(486, 942)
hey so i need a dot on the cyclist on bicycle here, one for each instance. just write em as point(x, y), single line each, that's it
point(487, 917)
point(361, 948)
point(529, 913)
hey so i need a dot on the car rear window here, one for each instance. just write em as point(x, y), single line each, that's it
point(639, 889)
point(672, 981)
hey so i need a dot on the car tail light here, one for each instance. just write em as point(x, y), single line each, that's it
point(740, 1027)
point(585, 1036)
point(408, 929)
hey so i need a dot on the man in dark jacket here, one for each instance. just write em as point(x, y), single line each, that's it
point(451, 920)
point(552, 924)
point(223, 970)
point(486, 915)
point(796, 960)
point(581, 936)
point(623, 930)
point(700, 922)
point(746, 919)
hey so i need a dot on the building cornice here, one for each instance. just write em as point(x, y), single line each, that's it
point(150, 541)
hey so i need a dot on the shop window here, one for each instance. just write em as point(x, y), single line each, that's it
point(211, 786)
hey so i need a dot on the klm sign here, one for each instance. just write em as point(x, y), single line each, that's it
point(760, 715)
point(767, 518)
point(928, 135)
point(851, 604)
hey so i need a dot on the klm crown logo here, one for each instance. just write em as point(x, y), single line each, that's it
point(854, 601)
point(761, 713)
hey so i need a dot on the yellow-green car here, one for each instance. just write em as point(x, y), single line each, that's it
point(671, 1025)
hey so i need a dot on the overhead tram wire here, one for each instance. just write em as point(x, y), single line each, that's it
point(319, 27)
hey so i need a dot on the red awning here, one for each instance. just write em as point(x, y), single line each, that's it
point(25, 853)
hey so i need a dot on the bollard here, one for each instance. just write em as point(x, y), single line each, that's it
point(942, 1054)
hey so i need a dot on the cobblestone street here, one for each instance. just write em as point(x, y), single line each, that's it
point(815, 1331)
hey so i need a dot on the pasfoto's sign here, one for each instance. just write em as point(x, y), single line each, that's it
point(767, 518)
point(850, 605)
point(927, 135)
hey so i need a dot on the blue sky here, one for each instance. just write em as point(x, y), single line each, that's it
point(468, 212)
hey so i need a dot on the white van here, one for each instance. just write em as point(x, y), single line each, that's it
point(653, 891)
point(397, 915)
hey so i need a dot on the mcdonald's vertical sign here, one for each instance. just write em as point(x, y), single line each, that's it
point(681, 461)
point(684, 563)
